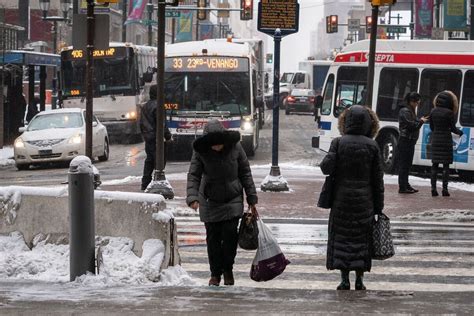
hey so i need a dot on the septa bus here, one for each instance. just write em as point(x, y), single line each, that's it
point(211, 79)
point(117, 85)
point(425, 66)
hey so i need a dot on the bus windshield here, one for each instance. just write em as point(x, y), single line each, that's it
point(208, 91)
point(112, 75)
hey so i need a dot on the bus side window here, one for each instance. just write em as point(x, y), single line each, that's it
point(467, 106)
point(434, 81)
point(394, 84)
point(327, 99)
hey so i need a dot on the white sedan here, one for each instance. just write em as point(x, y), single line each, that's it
point(58, 135)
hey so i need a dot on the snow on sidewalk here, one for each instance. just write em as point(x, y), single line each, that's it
point(6, 156)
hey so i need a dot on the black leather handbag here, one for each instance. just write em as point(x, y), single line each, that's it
point(382, 242)
point(326, 195)
point(248, 232)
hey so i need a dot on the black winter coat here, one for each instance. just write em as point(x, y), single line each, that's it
point(355, 161)
point(409, 125)
point(442, 124)
point(217, 179)
point(148, 121)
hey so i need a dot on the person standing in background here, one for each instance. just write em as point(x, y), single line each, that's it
point(409, 127)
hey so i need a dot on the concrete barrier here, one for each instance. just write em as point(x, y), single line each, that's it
point(42, 213)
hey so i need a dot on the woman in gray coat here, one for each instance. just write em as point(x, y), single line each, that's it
point(218, 175)
point(358, 194)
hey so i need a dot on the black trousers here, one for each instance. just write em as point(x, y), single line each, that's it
point(149, 165)
point(406, 151)
point(221, 238)
point(434, 175)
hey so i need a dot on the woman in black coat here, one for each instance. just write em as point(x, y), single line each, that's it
point(358, 194)
point(218, 175)
point(442, 124)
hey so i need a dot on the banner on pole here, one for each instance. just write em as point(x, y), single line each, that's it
point(135, 9)
point(455, 15)
point(424, 18)
point(184, 28)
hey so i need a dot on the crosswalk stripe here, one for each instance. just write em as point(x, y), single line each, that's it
point(430, 256)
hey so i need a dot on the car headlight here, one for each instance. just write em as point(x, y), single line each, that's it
point(76, 139)
point(19, 143)
point(131, 115)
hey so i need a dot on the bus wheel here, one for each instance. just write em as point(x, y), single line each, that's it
point(388, 144)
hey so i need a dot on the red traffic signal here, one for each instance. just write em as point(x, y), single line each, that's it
point(331, 23)
point(368, 24)
point(246, 12)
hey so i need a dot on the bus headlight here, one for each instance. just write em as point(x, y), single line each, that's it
point(131, 115)
point(19, 143)
point(246, 126)
point(76, 139)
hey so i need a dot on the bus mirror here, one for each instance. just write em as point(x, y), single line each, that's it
point(318, 101)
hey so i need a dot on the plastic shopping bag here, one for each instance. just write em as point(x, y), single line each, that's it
point(269, 261)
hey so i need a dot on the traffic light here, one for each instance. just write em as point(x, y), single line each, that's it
point(368, 23)
point(246, 12)
point(331, 23)
point(202, 14)
point(382, 2)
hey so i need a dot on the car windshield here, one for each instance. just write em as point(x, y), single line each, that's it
point(287, 77)
point(56, 120)
point(303, 92)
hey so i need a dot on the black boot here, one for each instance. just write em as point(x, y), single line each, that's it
point(359, 281)
point(345, 283)
point(434, 173)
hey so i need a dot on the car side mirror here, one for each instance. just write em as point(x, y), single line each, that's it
point(94, 124)
point(22, 129)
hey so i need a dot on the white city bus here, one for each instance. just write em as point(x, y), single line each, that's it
point(211, 79)
point(425, 66)
point(117, 85)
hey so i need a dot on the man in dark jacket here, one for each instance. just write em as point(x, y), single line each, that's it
point(148, 129)
point(218, 175)
point(409, 127)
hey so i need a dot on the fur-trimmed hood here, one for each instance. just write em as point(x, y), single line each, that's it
point(446, 99)
point(215, 134)
point(358, 120)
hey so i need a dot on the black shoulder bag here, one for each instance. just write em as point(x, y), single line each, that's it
point(326, 195)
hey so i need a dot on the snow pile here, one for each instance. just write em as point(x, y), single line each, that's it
point(6, 156)
point(126, 180)
point(163, 216)
point(81, 164)
point(119, 265)
point(441, 215)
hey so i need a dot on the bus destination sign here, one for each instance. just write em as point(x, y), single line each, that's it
point(98, 53)
point(278, 14)
point(206, 64)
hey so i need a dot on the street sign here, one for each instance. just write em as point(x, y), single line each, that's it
point(172, 14)
point(278, 14)
point(101, 31)
point(396, 29)
point(353, 25)
point(98, 7)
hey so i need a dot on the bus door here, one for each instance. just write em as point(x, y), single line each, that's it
point(464, 146)
point(432, 82)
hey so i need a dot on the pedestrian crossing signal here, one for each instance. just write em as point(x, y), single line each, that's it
point(368, 24)
point(246, 7)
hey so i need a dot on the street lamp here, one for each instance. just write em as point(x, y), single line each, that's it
point(64, 6)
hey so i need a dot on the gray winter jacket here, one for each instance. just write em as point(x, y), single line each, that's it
point(217, 179)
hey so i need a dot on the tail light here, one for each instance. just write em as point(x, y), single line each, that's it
point(290, 99)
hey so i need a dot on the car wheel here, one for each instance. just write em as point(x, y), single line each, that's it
point(105, 156)
point(388, 144)
point(21, 167)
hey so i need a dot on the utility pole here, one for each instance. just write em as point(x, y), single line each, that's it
point(471, 27)
point(372, 47)
point(412, 24)
point(150, 19)
point(89, 75)
point(2, 85)
point(124, 19)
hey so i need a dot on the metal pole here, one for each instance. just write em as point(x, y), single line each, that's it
point(2, 85)
point(89, 76)
point(412, 24)
point(42, 86)
point(150, 18)
point(471, 28)
point(160, 184)
point(173, 30)
point(197, 30)
point(437, 12)
point(124, 19)
point(373, 41)
point(55, 79)
point(275, 170)
point(81, 216)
